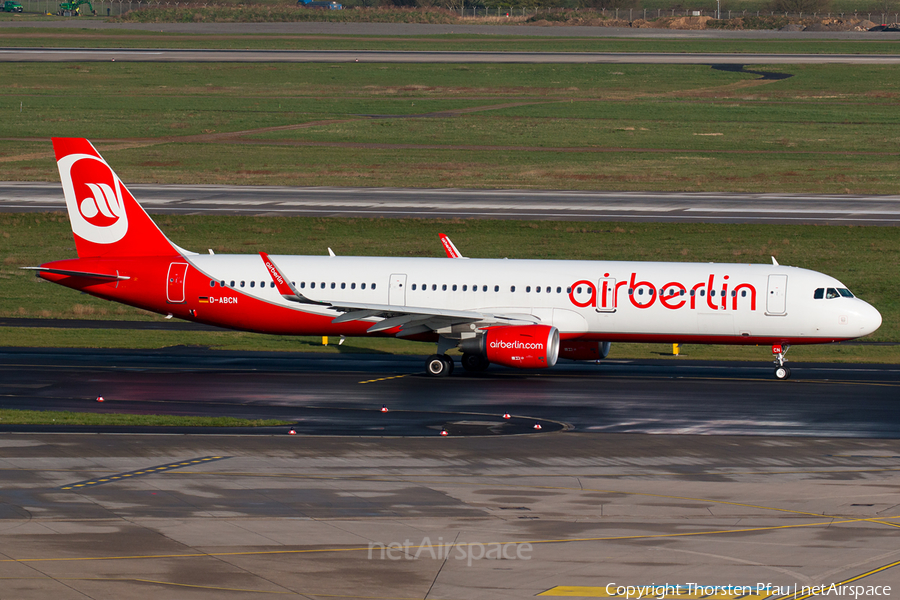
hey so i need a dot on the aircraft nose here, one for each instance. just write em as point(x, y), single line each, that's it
point(870, 319)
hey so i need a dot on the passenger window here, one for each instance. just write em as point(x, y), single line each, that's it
point(743, 293)
point(242, 284)
point(640, 291)
point(343, 286)
point(414, 287)
point(353, 286)
point(702, 293)
point(212, 283)
point(631, 291)
point(262, 284)
point(465, 287)
point(512, 288)
point(332, 285)
point(362, 286)
point(222, 283)
point(527, 288)
point(252, 284)
point(568, 290)
point(302, 284)
point(444, 287)
point(232, 284)
point(433, 287)
point(559, 290)
point(484, 288)
point(538, 289)
point(373, 286)
point(496, 288)
point(454, 287)
point(831, 293)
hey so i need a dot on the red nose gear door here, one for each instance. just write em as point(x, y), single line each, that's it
point(175, 286)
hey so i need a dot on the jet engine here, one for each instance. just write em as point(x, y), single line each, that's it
point(520, 346)
point(577, 350)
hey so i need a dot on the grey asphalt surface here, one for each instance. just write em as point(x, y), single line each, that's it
point(379, 56)
point(486, 204)
point(343, 393)
point(175, 516)
point(415, 29)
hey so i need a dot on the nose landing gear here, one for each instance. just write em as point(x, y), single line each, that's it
point(781, 371)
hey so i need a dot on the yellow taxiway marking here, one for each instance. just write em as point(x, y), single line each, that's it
point(168, 467)
point(804, 596)
point(383, 378)
point(828, 523)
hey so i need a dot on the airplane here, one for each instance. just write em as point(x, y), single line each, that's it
point(515, 313)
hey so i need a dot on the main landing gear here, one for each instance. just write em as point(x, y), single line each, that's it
point(439, 365)
point(781, 371)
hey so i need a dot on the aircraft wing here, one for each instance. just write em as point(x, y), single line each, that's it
point(410, 319)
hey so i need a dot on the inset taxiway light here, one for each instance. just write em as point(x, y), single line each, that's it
point(506, 415)
point(537, 426)
point(384, 408)
point(444, 432)
point(292, 432)
point(100, 399)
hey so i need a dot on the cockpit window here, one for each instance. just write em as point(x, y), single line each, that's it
point(831, 293)
point(819, 294)
point(845, 292)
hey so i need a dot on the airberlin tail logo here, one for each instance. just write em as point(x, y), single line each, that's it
point(94, 198)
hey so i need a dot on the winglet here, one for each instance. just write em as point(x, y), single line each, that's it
point(284, 285)
point(449, 248)
point(775, 262)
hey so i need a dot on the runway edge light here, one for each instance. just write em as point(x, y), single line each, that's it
point(384, 408)
point(100, 399)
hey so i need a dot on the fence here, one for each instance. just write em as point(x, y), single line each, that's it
point(117, 7)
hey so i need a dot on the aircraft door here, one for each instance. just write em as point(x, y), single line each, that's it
point(397, 290)
point(175, 285)
point(776, 295)
point(606, 295)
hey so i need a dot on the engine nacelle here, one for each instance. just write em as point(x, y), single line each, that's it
point(577, 350)
point(520, 346)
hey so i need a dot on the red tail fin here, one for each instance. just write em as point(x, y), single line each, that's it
point(106, 219)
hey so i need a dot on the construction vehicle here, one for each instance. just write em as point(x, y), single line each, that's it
point(10, 6)
point(73, 8)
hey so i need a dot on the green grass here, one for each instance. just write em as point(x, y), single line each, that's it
point(827, 129)
point(55, 417)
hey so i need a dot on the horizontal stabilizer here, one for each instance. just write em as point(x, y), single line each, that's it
point(69, 273)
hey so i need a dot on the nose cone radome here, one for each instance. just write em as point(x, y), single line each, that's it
point(869, 319)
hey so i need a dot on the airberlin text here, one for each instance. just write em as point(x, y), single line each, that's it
point(706, 295)
point(760, 590)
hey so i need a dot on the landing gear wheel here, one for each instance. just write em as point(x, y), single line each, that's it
point(438, 365)
point(474, 363)
point(782, 372)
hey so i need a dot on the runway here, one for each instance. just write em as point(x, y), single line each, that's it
point(420, 29)
point(82, 55)
point(708, 207)
point(343, 393)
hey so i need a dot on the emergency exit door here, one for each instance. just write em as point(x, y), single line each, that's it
point(175, 285)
